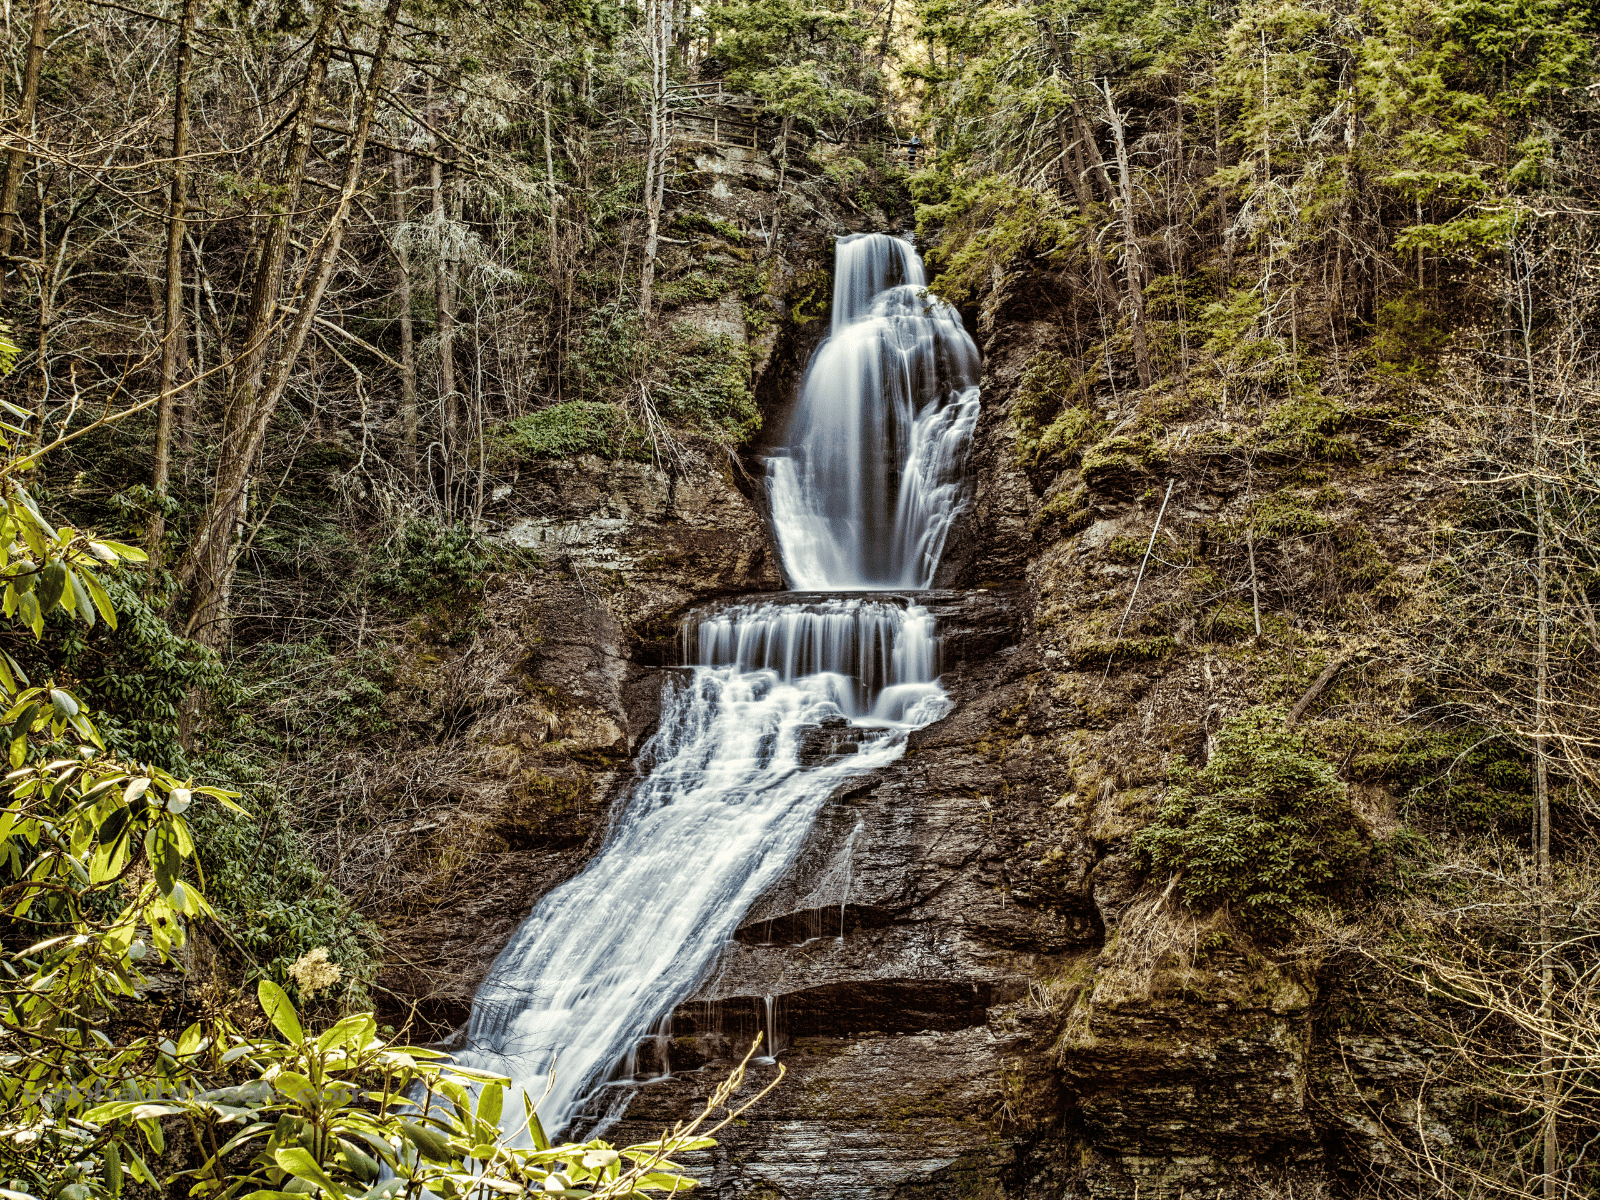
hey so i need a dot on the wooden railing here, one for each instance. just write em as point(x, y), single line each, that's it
point(709, 87)
point(705, 116)
point(700, 113)
point(717, 129)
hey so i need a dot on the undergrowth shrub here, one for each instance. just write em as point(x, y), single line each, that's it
point(1409, 338)
point(707, 384)
point(277, 904)
point(1053, 422)
point(565, 430)
point(1460, 779)
point(430, 560)
point(987, 227)
point(1264, 828)
point(137, 676)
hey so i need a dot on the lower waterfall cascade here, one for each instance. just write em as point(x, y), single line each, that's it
point(726, 797)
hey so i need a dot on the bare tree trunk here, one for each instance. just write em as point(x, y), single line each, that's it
point(212, 561)
point(1250, 547)
point(550, 177)
point(1541, 773)
point(658, 29)
point(17, 160)
point(452, 431)
point(777, 195)
point(1541, 790)
point(268, 282)
point(172, 342)
point(1133, 259)
point(1222, 192)
point(408, 365)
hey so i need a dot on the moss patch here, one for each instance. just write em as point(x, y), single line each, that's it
point(565, 430)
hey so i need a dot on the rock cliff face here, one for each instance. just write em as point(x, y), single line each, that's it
point(974, 989)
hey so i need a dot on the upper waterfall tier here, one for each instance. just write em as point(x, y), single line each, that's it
point(872, 480)
point(865, 265)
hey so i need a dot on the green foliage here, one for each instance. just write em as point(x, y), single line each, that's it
point(138, 675)
point(429, 561)
point(796, 55)
point(92, 857)
point(1066, 437)
point(1461, 779)
point(1067, 512)
point(101, 871)
point(1228, 323)
point(8, 349)
point(278, 906)
point(810, 297)
point(1119, 464)
point(1264, 828)
point(1309, 425)
point(1280, 515)
point(687, 221)
point(1053, 423)
point(564, 430)
point(984, 228)
point(693, 288)
point(695, 381)
point(349, 1114)
point(1409, 338)
point(705, 384)
point(807, 92)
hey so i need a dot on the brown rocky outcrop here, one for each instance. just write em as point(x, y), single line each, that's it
point(972, 984)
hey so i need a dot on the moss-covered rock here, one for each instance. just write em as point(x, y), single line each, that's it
point(1122, 465)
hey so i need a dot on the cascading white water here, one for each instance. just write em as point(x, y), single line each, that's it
point(866, 492)
point(706, 831)
point(727, 799)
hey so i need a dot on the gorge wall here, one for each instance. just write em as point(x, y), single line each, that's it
point(973, 987)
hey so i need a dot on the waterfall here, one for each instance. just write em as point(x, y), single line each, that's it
point(724, 799)
point(870, 484)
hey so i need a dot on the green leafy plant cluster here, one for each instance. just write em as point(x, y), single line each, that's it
point(349, 1114)
point(1409, 337)
point(1117, 465)
point(1281, 515)
point(985, 227)
point(1461, 779)
point(277, 905)
point(706, 384)
point(796, 55)
point(569, 429)
point(1307, 425)
point(138, 675)
point(1054, 424)
point(1264, 829)
point(432, 560)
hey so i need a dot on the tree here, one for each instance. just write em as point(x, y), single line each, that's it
point(208, 571)
point(23, 136)
point(658, 55)
point(172, 345)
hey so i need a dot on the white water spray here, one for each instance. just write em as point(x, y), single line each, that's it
point(866, 493)
point(726, 802)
